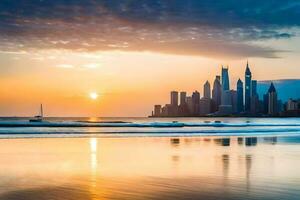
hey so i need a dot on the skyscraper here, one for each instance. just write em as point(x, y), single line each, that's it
point(182, 98)
point(157, 110)
point(272, 97)
point(205, 106)
point(225, 79)
point(183, 108)
point(254, 105)
point(248, 77)
point(207, 90)
point(234, 100)
point(174, 98)
point(240, 96)
point(216, 93)
point(254, 88)
point(196, 102)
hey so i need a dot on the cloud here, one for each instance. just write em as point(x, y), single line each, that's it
point(67, 66)
point(91, 65)
point(190, 27)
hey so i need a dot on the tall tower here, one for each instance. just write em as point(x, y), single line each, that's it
point(248, 77)
point(225, 79)
point(272, 100)
point(240, 96)
point(216, 93)
point(182, 98)
point(174, 98)
point(207, 90)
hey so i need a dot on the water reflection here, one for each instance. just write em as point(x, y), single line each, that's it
point(248, 170)
point(240, 140)
point(149, 168)
point(270, 140)
point(175, 141)
point(222, 141)
point(251, 141)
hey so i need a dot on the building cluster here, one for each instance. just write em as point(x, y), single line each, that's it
point(223, 101)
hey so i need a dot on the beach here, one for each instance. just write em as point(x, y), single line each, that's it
point(117, 166)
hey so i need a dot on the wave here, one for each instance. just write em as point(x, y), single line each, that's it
point(75, 124)
point(253, 131)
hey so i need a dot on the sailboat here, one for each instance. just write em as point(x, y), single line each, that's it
point(38, 118)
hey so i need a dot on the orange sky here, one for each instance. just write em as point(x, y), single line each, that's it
point(128, 83)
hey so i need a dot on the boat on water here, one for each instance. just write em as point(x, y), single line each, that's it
point(38, 118)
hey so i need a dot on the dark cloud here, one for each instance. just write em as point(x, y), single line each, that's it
point(206, 27)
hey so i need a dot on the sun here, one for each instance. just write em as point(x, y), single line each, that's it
point(93, 95)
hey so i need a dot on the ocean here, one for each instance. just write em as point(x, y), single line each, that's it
point(150, 158)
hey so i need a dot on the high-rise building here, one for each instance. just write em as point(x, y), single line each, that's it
point(216, 94)
point(196, 102)
point(183, 109)
point(207, 90)
point(240, 96)
point(254, 100)
point(190, 106)
point(205, 106)
point(266, 103)
point(292, 105)
point(182, 98)
point(174, 98)
point(248, 77)
point(254, 105)
point(157, 110)
point(272, 97)
point(226, 107)
point(233, 94)
point(225, 79)
point(253, 88)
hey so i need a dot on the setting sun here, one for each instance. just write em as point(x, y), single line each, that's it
point(93, 95)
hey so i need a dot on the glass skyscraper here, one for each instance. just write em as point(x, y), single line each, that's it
point(240, 96)
point(225, 79)
point(248, 77)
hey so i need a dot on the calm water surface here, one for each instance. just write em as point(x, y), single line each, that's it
point(199, 167)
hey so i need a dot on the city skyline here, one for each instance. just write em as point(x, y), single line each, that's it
point(242, 101)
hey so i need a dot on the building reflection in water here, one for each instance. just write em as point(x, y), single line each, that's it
point(225, 162)
point(175, 142)
point(270, 140)
point(240, 140)
point(251, 141)
point(222, 141)
point(248, 160)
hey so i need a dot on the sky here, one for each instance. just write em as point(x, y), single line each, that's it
point(132, 53)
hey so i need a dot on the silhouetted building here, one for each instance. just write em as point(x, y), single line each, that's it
point(216, 94)
point(255, 107)
point(254, 102)
point(240, 96)
point(205, 106)
point(182, 98)
point(248, 77)
point(272, 100)
point(233, 94)
point(207, 90)
point(226, 107)
point(254, 88)
point(174, 98)
point(196, 102)
point(292, 105)
point(266, 103)
point(225, 79)
point(190, 105)
point(157, 110)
